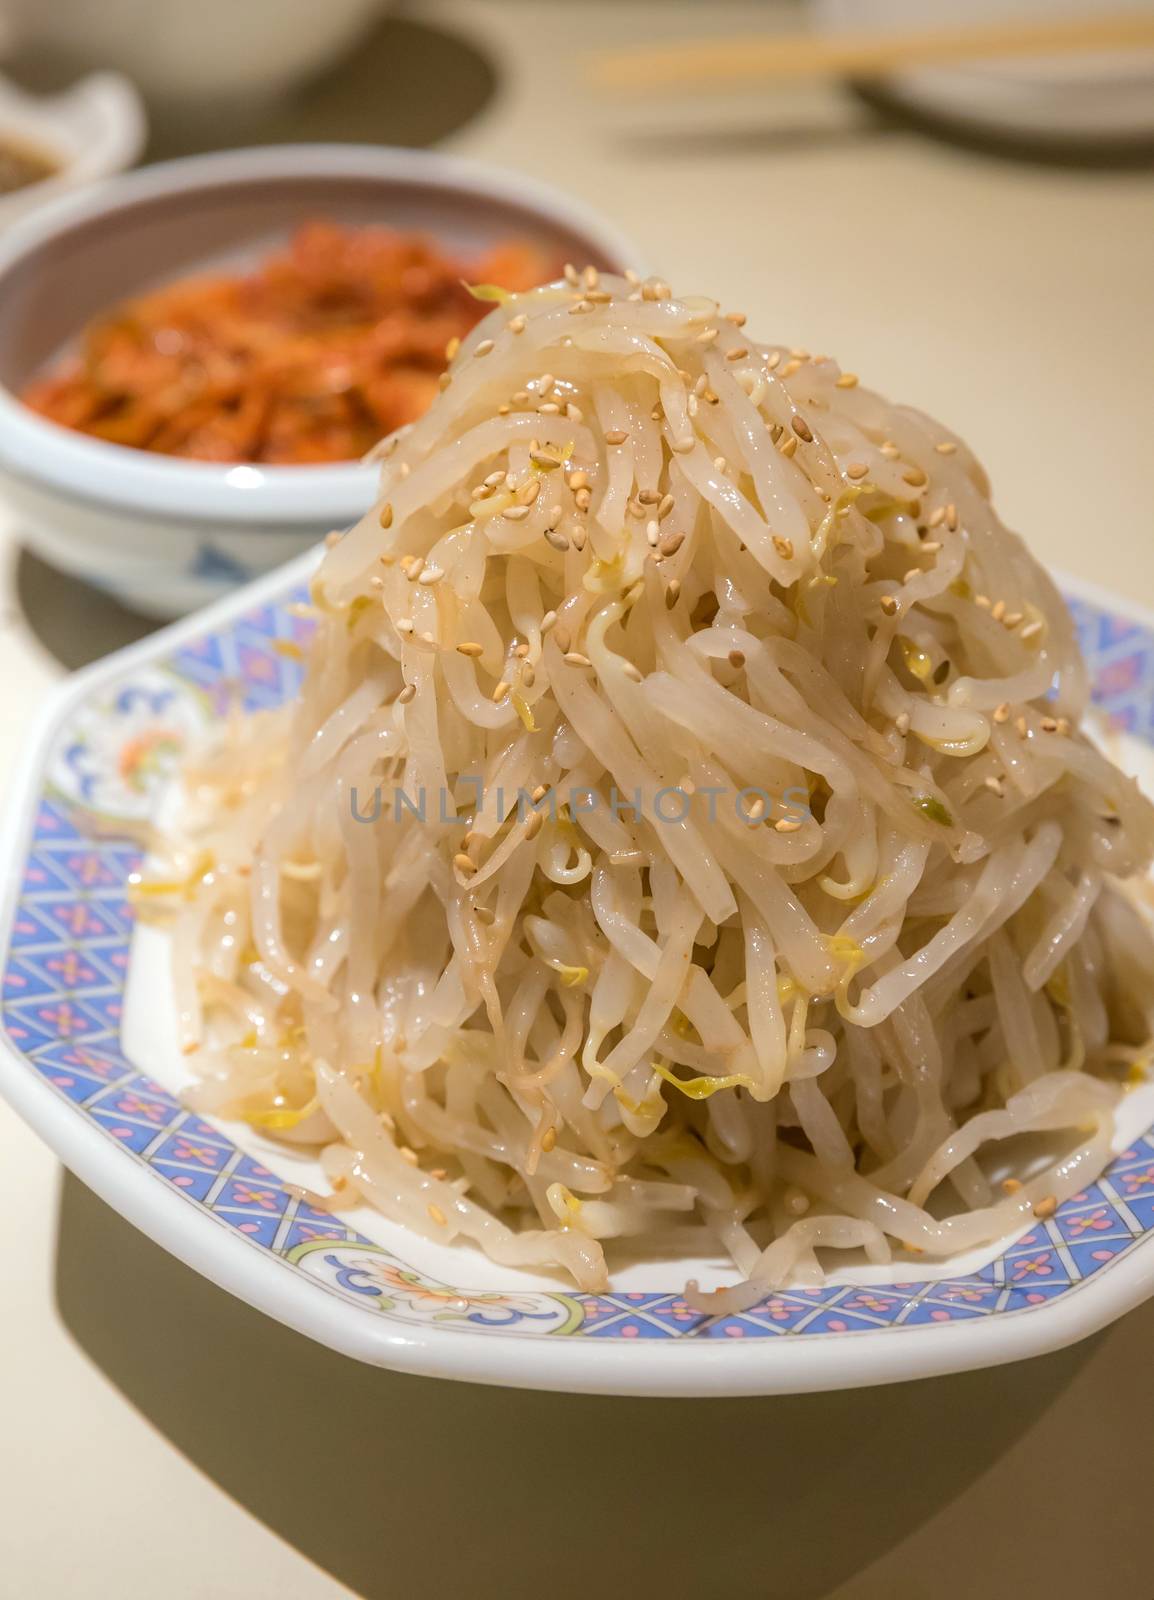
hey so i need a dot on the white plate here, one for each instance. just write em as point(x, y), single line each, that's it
point(94, 1069)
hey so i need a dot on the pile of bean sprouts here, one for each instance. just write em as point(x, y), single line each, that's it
point(683, 834)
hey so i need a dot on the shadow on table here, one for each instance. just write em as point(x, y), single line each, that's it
point(74, 622)
point(409, 1486)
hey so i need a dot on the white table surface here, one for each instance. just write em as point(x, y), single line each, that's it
point(157, 1438)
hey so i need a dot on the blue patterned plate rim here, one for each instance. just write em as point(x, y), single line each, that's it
point(109, 737)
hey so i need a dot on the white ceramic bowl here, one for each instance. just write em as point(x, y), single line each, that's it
point(164, 535)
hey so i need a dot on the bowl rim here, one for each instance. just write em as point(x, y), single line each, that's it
point(120, 477)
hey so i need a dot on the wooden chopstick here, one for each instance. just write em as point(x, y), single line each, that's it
point(718, 62)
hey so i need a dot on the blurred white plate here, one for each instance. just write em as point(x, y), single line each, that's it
point(1102, 97)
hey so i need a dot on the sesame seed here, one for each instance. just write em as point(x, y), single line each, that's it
point(483, 348)
point(788, 446)
point(548, 1140)
point(556, 539)
point(670, 543)
point(937, 517)
point(431, 575)
point(331, 539)
point(386, 515)
point(580, 308)
point(888, 604)
point(599, 297)
point(931, 546)
point(652, 534)
point(665, 507)
point(773, 359)
point(983, 600)
point(1011, 1185)
point(1002, 712)
point(720, 463)
point(914, 572)
point(915, 477)
point(1022, 727)
point(578, 480)
point(516, 513)
point(408, 1154)
point(998, 610)
point(672, 593)
point(738, 353)
point(529, 491)
point(616, 436)
point(856, 470)
point(1046, 1207)
point(407, 694)
point(738, 318)
point(706, 336)
point(786, 825)
point(1049, 724)
point(902, 722)
point(846, 380)
point(945, 448)
point(631, 276)
point(583, 499)
point(569, 272)
point(500, 689)
point(1012, 619)
point(952, 517)
point(802, 428)
point(573, 412)
point(576, 659)
point(517, 324)
point(437, 1215)
point(550, 408)
point(995, 785)
point(548, 622)
point(591, 277)
point(470, 648)
point(790, 368)
point(682, 446)
point(562, 637)
point(534, 824)
point(736, 659)
point(631, 671)
point(485, 915)
point(427, 638)
point(1030, 631)
point(404, 624)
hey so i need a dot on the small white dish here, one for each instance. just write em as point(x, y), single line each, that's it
point(163, 535)
point(91, 131)
point(87, 1057)
point(1091, 98)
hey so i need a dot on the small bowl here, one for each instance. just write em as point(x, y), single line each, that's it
point(95, 128)
point(163, 535)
